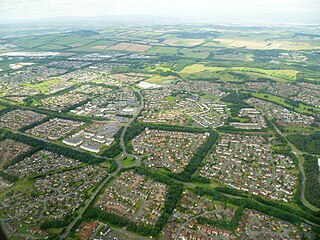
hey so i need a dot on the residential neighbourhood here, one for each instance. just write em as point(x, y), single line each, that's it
point(158, 131)
point(17, 118)
point(246, 163)
point(134, 197)
point(170, 150)
point(55, 128)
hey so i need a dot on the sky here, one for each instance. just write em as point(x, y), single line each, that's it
point(211, 10)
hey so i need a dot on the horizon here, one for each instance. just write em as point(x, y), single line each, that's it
point(217, 11)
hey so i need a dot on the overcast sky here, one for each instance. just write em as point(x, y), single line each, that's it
point(192, 9)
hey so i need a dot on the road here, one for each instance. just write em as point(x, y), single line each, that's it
point(118, 159)
point(95, 193)
point(303, 175)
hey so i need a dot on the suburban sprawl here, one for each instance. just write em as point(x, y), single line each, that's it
point(160, 132)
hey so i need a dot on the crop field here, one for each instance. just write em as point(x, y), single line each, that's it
point(288, 74)
point(266, 45)
point(205, 72)
point(195, 53)
point(68, 40)
point(254, 76)
point(159, 50)
point(93, 45)
point(82, 42)
point(52, 47)
point(235, 57)
point(161, 79)
point(198, 69)
point(183, 42)
point(35, 41)
point(130, 47)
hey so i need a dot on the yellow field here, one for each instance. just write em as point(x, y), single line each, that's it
point(161, 79)
point(265, 45)
point(196, 68)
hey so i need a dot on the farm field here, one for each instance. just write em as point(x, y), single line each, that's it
point(183, 42)
point(235, 57)
point(198, 69)
point(195, 53)
point(288, 74)
point(130, 47)
point(161, 79)
point(160, 50)
point(266, 45)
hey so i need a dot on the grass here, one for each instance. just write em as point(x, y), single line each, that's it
point(159, 50)
point(105, 164)
point(161, 79)
point(128, 161)
point(138, 205)
point(199, 68)
point(35, 41)
point(214, 76)
point(91, 46)
point(67, 40)
point(171, 98)
point(52, 47)
point(42, 87)
point(24, 185)
point(288, 74)
point(184, 42)
point(209, 97)
point(281, 101)
point(195, 53)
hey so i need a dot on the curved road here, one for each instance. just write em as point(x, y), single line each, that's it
point(303, 175)
point(125, 154)
point(96, 192)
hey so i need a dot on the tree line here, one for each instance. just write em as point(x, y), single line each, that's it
point(309, 144)
point(312, 170)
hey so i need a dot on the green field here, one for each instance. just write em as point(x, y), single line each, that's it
point(235, 57)
point(158, 50)
point(199, 68)
point(194, 53)
point(288, 74)
point(161, 79)
point(128, 161)
point(42, 86)
point(303, 108)
point(171, 98)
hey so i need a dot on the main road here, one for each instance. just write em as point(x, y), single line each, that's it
point(100, 186)
point(303, 175)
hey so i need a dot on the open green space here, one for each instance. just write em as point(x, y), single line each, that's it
point(303, 108)
point(128, 161)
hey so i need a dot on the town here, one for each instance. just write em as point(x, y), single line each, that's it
point(159, 131)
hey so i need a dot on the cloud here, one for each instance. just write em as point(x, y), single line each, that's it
point(33, 9)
